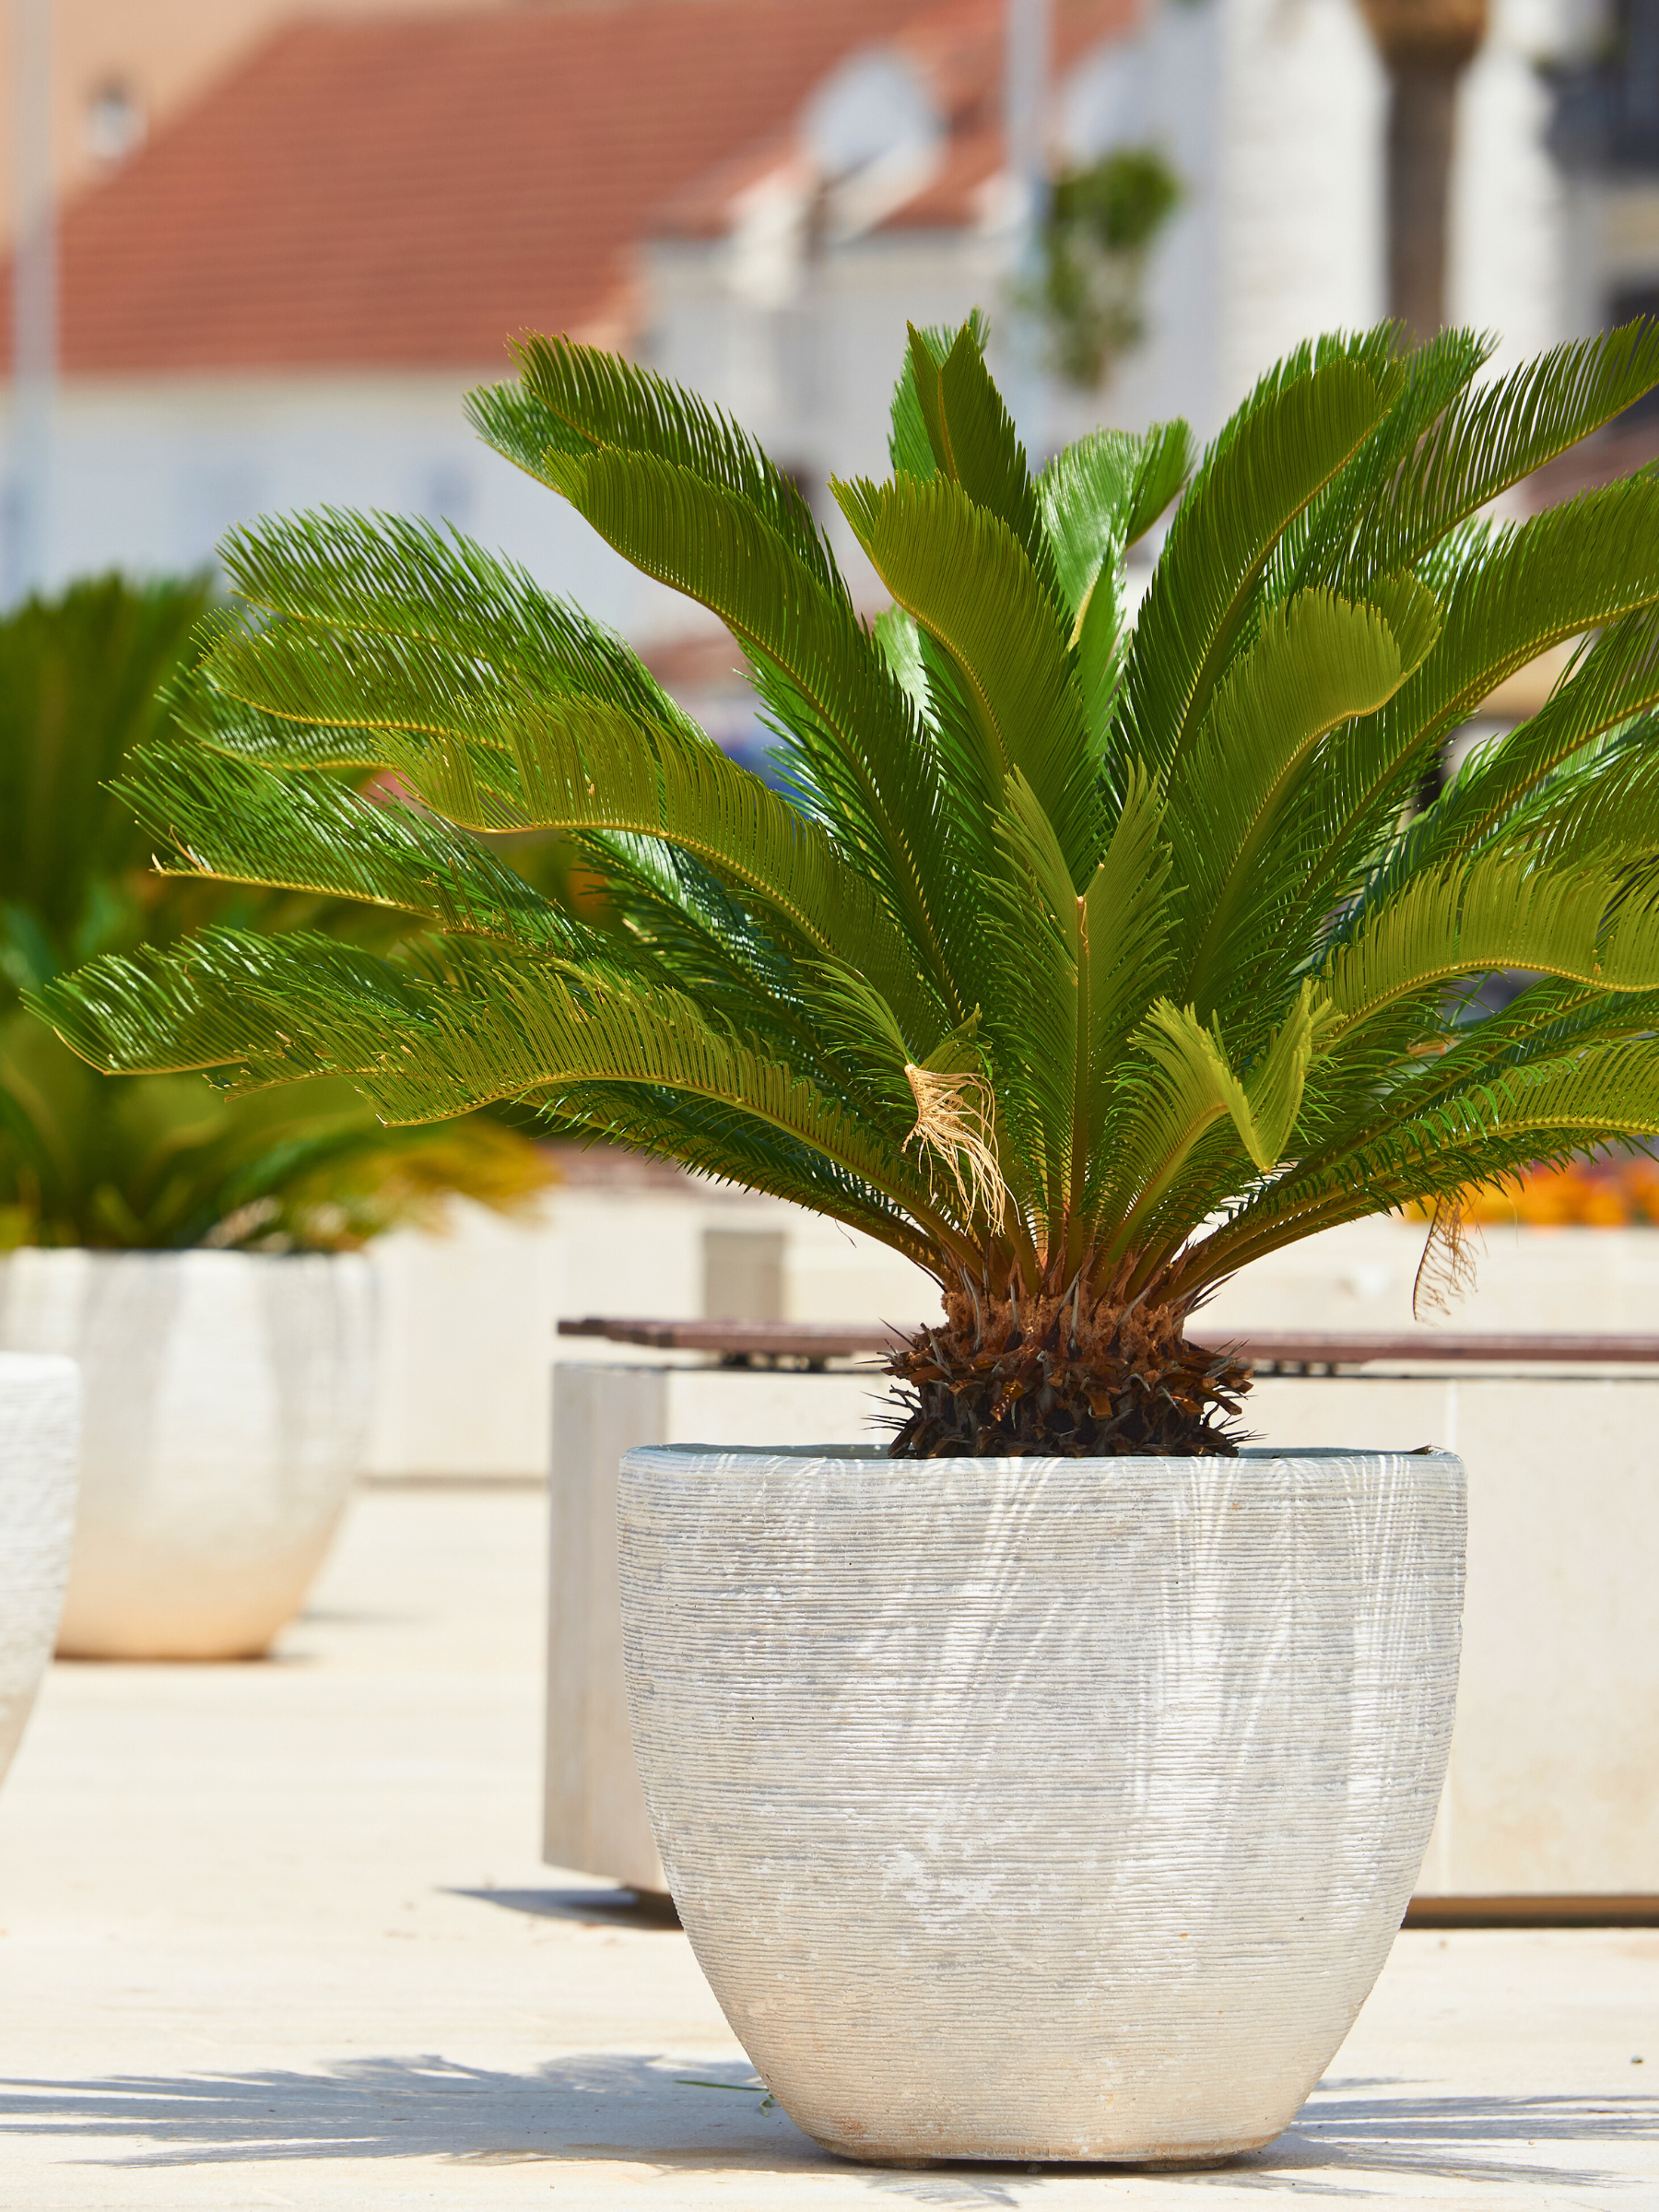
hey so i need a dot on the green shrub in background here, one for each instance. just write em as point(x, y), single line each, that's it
point(1100, 225)
point(160, 1162)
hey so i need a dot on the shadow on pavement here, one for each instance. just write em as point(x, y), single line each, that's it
point(1472, 2139)
point(689, 2115)
point(609, 1907)
point(621, 2106)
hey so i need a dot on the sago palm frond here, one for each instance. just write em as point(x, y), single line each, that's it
point(1082, 961)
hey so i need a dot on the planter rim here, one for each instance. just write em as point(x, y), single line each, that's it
point(739, 1459)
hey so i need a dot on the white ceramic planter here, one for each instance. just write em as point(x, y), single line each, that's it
point(40, 1439)
point(227, 1396)
point(1046, 1808)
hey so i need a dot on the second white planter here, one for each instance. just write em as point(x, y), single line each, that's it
point(1033, 1810)
point(39, 1434)
point(227, 1402)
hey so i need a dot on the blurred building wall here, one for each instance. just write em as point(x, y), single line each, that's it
point(1604, 133)
point(1511, 245)
point(768, 250)
point(151, 472)
point(1299, 177)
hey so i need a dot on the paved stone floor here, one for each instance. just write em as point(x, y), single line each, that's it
point(277, 1934)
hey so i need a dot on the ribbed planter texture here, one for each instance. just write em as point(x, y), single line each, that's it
point(228, 1397)
point(40, 1441)
point(1033, 1810)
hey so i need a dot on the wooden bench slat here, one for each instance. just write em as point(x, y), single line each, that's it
point(1291, 1348)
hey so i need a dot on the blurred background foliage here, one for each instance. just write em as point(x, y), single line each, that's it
point(1620, 1190)
point(1101, 224)
point(159, 1162)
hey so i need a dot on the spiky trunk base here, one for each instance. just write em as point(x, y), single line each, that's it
point(1042, 1379)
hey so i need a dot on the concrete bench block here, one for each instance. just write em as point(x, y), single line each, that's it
point(596, 1819)
point(1553, 1788)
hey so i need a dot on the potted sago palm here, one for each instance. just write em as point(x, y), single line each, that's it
point(200, 1256)
point(1052, 1787)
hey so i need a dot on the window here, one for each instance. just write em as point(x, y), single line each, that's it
point(114, 121)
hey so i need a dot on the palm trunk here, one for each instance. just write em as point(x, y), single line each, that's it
point(1425, 46)
point(1046, 1377)
point(1422, 109)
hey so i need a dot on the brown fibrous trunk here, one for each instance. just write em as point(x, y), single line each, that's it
point(1051, 1377)
point(1425, 45)
point(1422, 109)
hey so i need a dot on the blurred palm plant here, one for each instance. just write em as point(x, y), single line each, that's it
point(1089, 961)
point(154, 1162)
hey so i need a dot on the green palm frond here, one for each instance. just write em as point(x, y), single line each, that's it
point(234, 821)
point(1074, 975)
point(1600, 809)
point(1512, 594)
point(80, 684)
point(496, 1026)
point(960, 572)
point(910, 441)
point(1503, 910)
point(382, 576)
point(1616, 680)
point(1195, 1089)
point(1037, 1028)
point(491, 754)
point(1498, 433)
point(972, 437)
point(1278, 454)
point(1101, 495)
point(858, 747)
point(209, 1007)
point(572, 399)
point(1330, 542)
point(730, 1145)
point(1551, 1111)
point(1589, 561)
point(371, 625)
point(1316, 663)
point(1127, 926)
point(1080, 959)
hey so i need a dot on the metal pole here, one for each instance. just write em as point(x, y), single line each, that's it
point(1025, 90)
point(34, 294)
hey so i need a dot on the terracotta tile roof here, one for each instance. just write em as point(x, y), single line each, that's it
point(958, 46)
point(408, 192)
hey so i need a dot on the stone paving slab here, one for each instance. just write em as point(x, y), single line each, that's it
point(276, 1934)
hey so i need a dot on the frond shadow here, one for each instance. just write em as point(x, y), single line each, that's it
point(682, 2116)
point(1340, 2139)
point(626, 2107)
